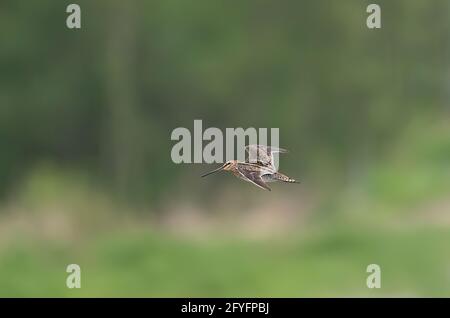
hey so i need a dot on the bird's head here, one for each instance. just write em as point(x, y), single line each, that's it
point(226, 166)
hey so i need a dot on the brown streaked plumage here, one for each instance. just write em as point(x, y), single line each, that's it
point(263, 155)
point(258, 173)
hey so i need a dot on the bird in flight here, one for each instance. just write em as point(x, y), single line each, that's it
point(259, 169)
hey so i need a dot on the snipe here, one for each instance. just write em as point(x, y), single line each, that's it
point(259, 169)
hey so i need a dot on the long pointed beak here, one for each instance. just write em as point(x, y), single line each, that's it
point(211, 172)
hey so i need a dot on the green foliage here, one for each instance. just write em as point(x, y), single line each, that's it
point(85, 169)
point(331, 264)
point(106, 97)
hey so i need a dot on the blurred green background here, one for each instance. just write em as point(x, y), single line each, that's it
point(86, 175)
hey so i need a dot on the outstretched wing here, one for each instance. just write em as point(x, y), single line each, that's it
point(253, 177)
point(263, 154)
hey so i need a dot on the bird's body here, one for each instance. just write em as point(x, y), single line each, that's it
point(260, 170)
point(277, 176)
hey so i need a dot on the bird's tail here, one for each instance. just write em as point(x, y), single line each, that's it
point(281, 177)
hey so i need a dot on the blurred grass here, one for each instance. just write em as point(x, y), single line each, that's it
point(331, 264)
point(384, 217)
